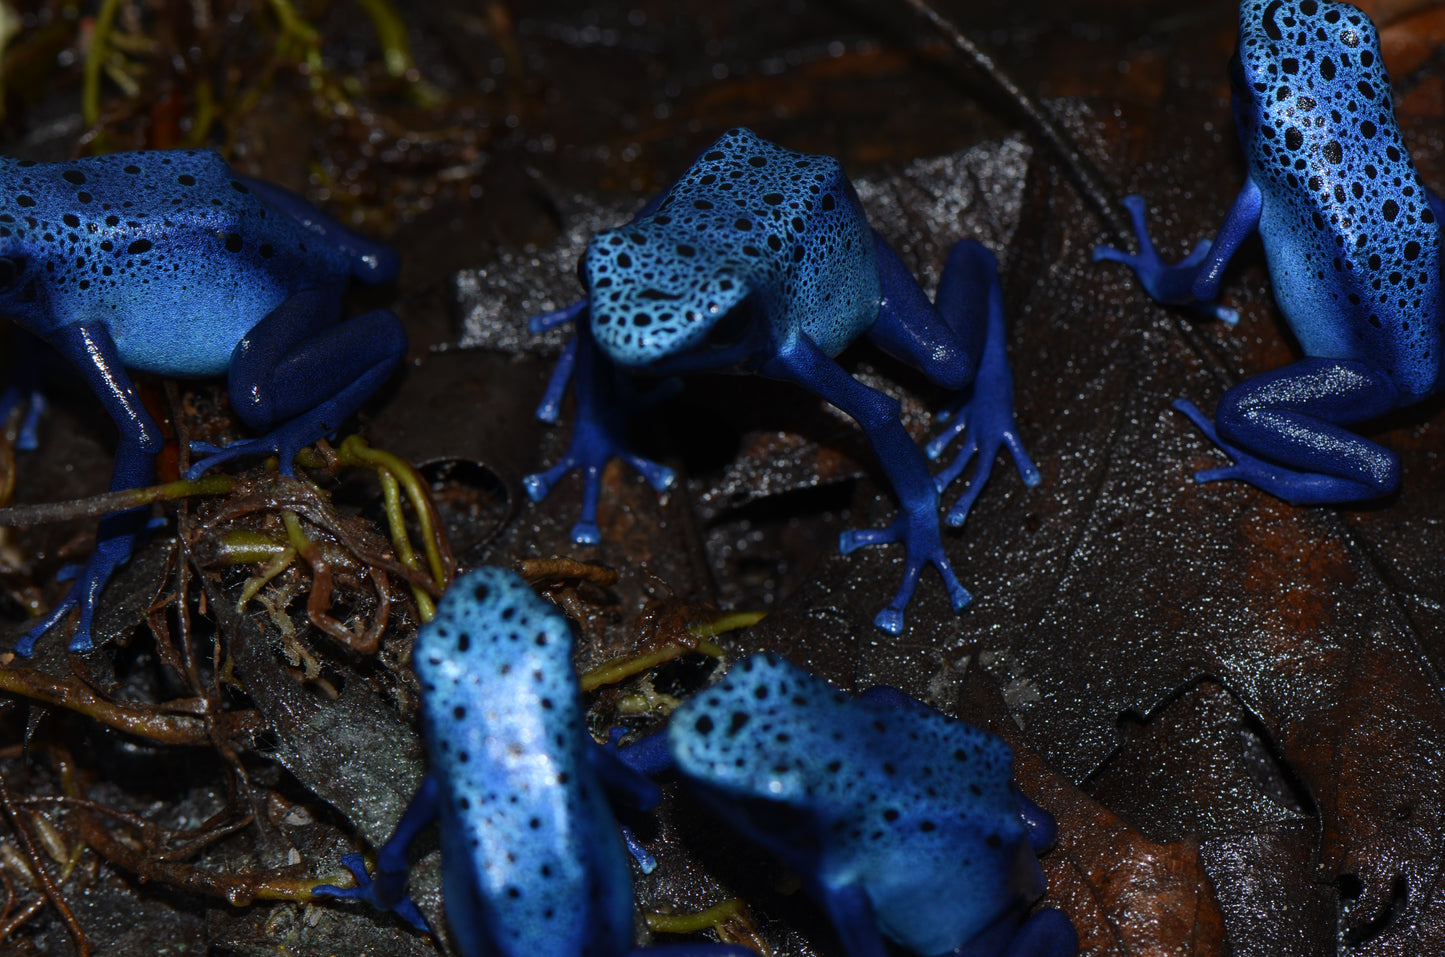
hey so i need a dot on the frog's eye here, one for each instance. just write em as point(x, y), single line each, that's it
point(732, 328)
point(10, 270)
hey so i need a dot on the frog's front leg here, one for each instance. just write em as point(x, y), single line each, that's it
point(599, 434)
point(24, 389)
point(1284, 430)
point(917, 525)
point(91, 348)
point(299, 373)
point(944, 339)
point(386, 889)
point(1194, 281)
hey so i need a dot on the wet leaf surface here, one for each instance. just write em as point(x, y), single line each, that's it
point(1233, 706)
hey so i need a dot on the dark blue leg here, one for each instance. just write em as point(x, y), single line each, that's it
point(1194, 281)
point(647, 755)
point(917, 524)
point(550, 408)
point(621, 780)
point(604, 401)
point(969, 314)
point(387, 889)
point(1284, 431)
point(543, 321)
point(371, 262)
point(91, 348)
point(299, 373)
point(25, 359)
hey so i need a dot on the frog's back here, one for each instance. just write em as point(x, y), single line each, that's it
point(531, 853)
point(784, 225)
point(910, 805)
point(1352, 241)
point(142, 241)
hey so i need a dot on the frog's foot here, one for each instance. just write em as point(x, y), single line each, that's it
point(1169, 283)
point(284, 442)
point(110, 553)
point(923, 545)
point(27, 436)
point(590, 452)
point(376, 893)
point(987, 424)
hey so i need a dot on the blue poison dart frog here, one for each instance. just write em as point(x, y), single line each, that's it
point(760, 260)
point(1352, 240)
point(174, 264)
point(902, 823)
point(533, 864)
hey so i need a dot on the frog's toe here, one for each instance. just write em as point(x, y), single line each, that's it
point(538, 484)
point(856, 538)
point(659, 476)
point(1028, 471)
point(956, 425)
point(890, 620)
point(586, 532)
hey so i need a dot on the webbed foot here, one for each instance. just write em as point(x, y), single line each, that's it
point(592, 448)
point(923, 545)
point(1167, 283)
point(379, 894)
point(284, 442)
point(111, 551)
point(987, 424)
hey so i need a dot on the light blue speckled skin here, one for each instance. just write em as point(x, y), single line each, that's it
point(170, 262)
point(901, 821)
point(533, 864)
point(1352, 241)
point(531, 847)
point(761, 260)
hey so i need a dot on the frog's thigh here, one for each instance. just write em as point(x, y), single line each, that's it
point(1296, 415)
point(943, 339)
point(300, 356)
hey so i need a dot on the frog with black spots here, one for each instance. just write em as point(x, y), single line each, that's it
point(533, 864)
point(761, 260)
point(170, 262)
point(903, 823)
point(1352, 238)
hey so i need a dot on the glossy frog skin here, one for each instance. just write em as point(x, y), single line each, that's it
point(1352, 240)
point(901, 821)
point(533, 864)
point(760, 260)
point(172, 263)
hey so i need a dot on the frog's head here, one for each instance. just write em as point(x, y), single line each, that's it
point(769, 745)
point(1301, 65)
point(656, 293)
point(493, 641)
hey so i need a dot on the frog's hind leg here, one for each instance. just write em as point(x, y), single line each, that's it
point(1285, 432)
point(371, 262)
point(959, 342)
point(299, 373)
